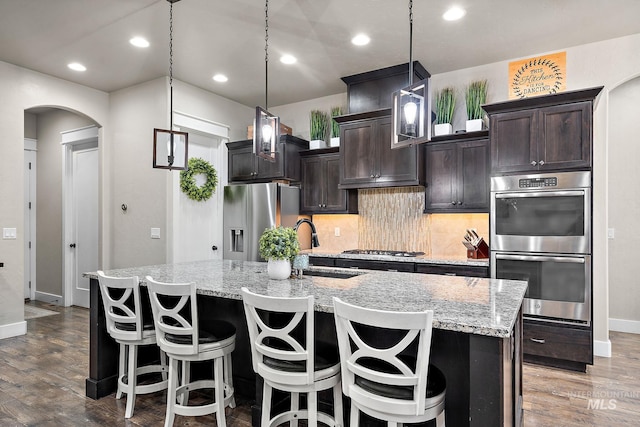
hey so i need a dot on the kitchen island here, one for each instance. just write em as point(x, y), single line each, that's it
point(476, 340)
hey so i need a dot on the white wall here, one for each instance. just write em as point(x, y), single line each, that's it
point(23, 89)
point(296, 115)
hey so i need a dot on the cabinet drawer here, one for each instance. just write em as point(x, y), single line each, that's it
point(407, 267)
point(322, 261)
point(453, 270)
point(557, 342)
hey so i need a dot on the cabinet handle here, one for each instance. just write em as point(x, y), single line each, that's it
point(450, 274)
point(453, 203)
point(459, 202)
point(533, 163)
point(378, 176)
point(538, 340)
point(541, 162)
point(372, 176)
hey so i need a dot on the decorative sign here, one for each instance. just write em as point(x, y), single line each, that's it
point(542, 75)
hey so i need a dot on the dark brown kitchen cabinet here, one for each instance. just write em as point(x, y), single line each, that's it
point(546, 133)
point(319, 185)
point(557, 345)
point(457, 173)
point(406, 267)
point(453, 270)
point(367, 159)
point(244, 165)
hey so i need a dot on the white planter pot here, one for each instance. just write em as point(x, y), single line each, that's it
point(334, 142)
point(474, 125)
point(442, 129)
point(314, 144)
point(279, 269)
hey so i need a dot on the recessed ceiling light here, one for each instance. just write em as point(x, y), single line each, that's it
point(454, 13)
point(288, 59)
point(361, 40)
point(76, 66)
point(139, 42)
point(220, 78)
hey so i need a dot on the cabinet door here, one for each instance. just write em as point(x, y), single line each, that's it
point(441, 178)
point(393, 165)
point(312, 185)
point(266, 169)
point(335, 200)
point(473, 175)
point(241, 164)
point(513, 141)
point(565, 136)
point(357, 153)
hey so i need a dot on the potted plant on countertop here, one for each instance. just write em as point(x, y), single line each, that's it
point(319, 124)
point(445, 104)
point(279, 246)
point(476, 96)
point(335, 127)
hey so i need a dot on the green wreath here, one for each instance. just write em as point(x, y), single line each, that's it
point(188, 185)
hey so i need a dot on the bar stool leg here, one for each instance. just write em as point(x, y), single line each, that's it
point(312, 405)
point(337, 405)
point(218, 370)
point(171, 392)
point(228, 379)
point(121, 369)
point(185, 379)
point(266, 405)
point(163, 363)
point(355, 416)
point(295, 405)
point(132, 379)
point(440, 420)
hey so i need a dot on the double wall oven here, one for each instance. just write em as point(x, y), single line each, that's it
point(541, 232)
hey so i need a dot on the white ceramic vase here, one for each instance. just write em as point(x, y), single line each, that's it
point(442, 129)
point(474, 125)
point(279, 269)
point(315, 144)
point(334, 141)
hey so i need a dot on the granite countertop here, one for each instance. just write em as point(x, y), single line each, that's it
point(423, 259)
point(463, 304)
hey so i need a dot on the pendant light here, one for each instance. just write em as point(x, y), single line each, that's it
point(170, 147)
point(411, 106)
point(266, 127)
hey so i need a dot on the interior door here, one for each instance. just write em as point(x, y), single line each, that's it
point(197, 226)
point(29, 223)
point(85, 221)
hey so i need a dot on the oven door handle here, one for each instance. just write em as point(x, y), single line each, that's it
point(523, 194)
point(573, 260)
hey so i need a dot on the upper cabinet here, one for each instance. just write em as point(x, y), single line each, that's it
point(245, 166)
point(546, 133)
point(367, 159)
point(320, 179)
point(457, 170)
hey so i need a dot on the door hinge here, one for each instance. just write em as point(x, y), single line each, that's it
point(29, 245)
point(29, 284)
point(29, 165)
point(29, 205)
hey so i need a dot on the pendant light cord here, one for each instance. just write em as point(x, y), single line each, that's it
point(410, 42)
point(266, 55)
point(171, 70)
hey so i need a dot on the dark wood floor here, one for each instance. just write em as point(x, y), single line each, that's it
point(42, 384)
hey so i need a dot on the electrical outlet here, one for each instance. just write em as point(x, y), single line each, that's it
point(611, 233)
point(336, 231)
point(155, 233)
point(9, 233)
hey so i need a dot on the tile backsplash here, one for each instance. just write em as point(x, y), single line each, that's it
point(393, 219)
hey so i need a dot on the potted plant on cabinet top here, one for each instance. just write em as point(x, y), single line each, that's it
point(335, 127)
point(279, 245)
point(445, 103)
point(318, 129)
point(476, 96)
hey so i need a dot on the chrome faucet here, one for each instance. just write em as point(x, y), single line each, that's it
point(314, 235)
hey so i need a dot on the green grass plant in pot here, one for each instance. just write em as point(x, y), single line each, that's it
point(279, 246)
point(335, 127)
point(445, 104)
point(476, 96)
point(318, 126)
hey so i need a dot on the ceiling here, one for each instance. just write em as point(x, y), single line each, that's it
point(227, 36)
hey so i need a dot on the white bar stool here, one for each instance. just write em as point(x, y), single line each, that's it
point(123, 314)
point(391, 381)
point(288, 363)
point(184, 340)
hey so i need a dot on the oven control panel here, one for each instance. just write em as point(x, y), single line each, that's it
point(538, 182)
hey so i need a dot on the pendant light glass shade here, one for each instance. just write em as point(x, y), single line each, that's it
point(266, 134)
point(410, 113)
point(170, 149)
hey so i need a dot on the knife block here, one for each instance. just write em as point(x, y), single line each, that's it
point(480, 252)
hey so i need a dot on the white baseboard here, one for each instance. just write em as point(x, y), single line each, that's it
point(602, 348)
point(13, 329)
point(49, 298)
point(621, 325)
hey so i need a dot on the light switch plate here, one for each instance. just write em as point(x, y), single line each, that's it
point(155, 233)
point(336, 231)
point(611, 233)
point(9, 233)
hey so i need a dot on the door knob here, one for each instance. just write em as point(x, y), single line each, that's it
point(533, 163)
point(72, 245)
point(541, 162)
point(214, 248)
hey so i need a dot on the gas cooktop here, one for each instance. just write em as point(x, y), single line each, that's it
point(382, 252)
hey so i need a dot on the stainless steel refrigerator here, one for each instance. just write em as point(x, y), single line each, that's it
point(249, 210)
